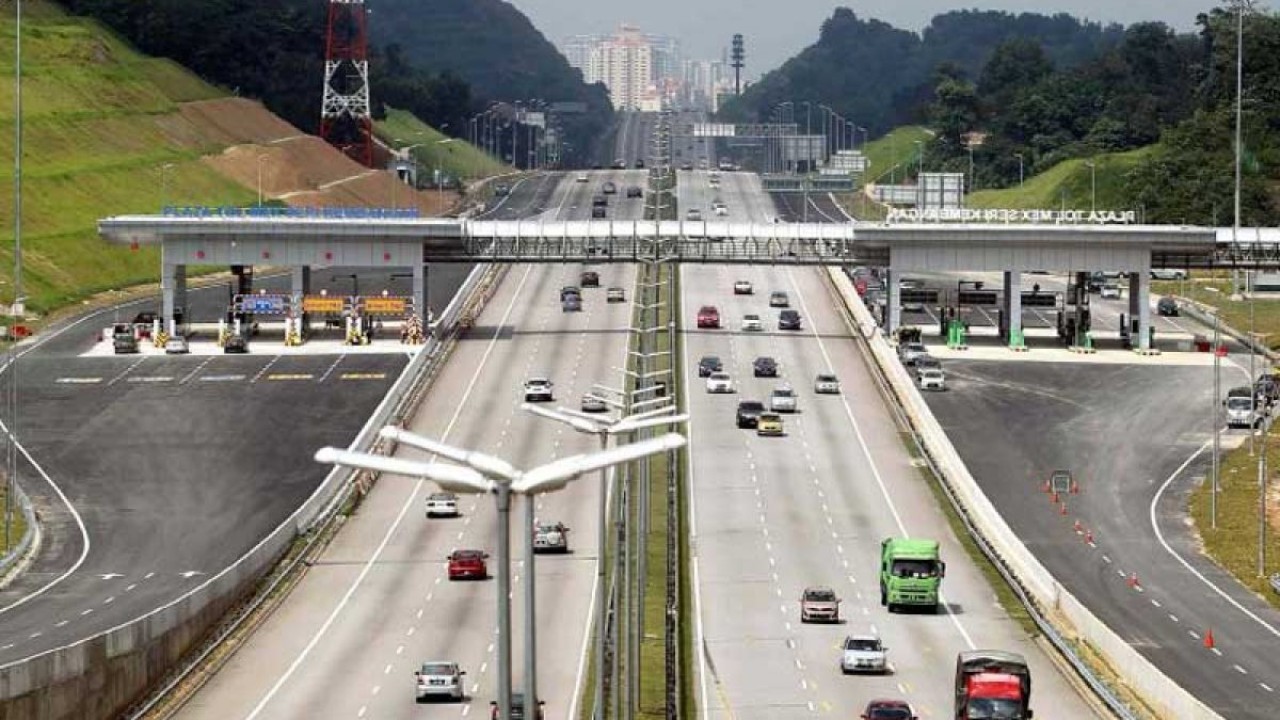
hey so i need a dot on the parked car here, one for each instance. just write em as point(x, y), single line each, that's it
point(819, 603)
point(177, 345)
point(749, 412)
point(743, 287)
point(236, 344)
point(765, 366)
point(594, 404)
point(931, 379)
point(438, 679)
point(885, 709)
point(779, 299)
point(826, 384)
point(615, 295)
point(538, 389)
point(551, 538)
point(788, 320)
point(783, 399)
point(1168, 274)
point(1167, 307)
point(468, 564)
point(708, 317)
point(751, 323)
point(769, 424)
point(708, 364)
point(589, 278)
point(719, 382)
point(864, 653)
point(442, 504)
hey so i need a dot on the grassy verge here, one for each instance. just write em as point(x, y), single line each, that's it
point(1215, 290)
point(434, 150)
point(19, 526)
point(1069, 184)
point(892, 157)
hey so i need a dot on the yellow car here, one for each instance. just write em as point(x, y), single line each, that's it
point(769, 424)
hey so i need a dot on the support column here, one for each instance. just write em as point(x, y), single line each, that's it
point(420, 293)
point(299, 288)
point(1013, 308)
point(168, 291)
point(1140, 306)
point(182, 311)
point(893, 310)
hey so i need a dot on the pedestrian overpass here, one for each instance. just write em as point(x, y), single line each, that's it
point(396, 242)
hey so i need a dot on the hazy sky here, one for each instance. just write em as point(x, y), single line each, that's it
point(777, 29)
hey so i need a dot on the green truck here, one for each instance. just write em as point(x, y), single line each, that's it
point(910, 573)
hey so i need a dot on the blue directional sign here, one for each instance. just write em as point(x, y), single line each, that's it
point(263, 304)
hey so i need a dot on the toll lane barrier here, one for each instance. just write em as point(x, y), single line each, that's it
point(1068, 615)
point(111, 674)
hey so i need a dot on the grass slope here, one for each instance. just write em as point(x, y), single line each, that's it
point(101, 137)
point(1068, 184)
point(890, 156)
point(433, 149)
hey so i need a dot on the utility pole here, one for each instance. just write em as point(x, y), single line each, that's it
point(1217, 441)
point(18, 301)
point(346, 120)
point(738, 56)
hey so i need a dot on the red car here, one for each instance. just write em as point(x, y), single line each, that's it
point(708, 317)
point(888, 710)
point(468, 564)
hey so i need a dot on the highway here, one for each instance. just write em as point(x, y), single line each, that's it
point(377, 603)
point(1137, 447)
point(772, 515)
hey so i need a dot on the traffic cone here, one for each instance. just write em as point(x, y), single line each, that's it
point(1075, 488)
point(1063, 509)
point(1045, 486)
point(1078, 527)
point(1133, 581)
point(1088, 536)
point(1208, 639)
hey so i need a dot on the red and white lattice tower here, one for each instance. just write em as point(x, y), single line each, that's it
point(345, 118)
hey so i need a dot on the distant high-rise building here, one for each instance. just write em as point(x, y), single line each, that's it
point(577, 50)
point(704, 82)
point(635, 67)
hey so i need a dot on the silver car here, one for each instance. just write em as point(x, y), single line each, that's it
point(538, 390)
point(594, 404)
point(826, 384)
point(177, 345)
point(864, 653)
point(783, 399)
point(439, 680)
point(932, 379)
point(551, 537)
point(442, 504)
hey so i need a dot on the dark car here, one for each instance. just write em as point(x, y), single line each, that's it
point(749, 413)
point(517, 708)
point(609, 188)
point(590, 278)
point(571, 303)
point(888, 710)
point(788, 320)
point(765, 366)
point(709, 364)
point(236, 344)
point(599, 213)
point(635, 191)
point(124, 344)
point(568, 290)
point(1167, 307)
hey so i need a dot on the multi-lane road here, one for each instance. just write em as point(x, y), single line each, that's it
point(773, 515)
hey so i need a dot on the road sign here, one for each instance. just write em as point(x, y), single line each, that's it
point(383, 305)
point(920, 296)
point(1039, 299)
point(263, 304)
point(985, 298)
point(322, 304)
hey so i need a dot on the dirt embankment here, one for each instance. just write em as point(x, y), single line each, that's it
point(268, 153)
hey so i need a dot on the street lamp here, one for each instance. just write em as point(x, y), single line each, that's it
point(485, 474)
point(261, 157)
point(1093, 185)
point(164, 185)
point(919, 159)
point(1020, 175)
point(604, 428)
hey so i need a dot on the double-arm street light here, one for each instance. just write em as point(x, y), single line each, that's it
point(479, 473)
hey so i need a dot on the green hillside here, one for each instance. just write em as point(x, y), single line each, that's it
point(1068, 184)
point(101, 137)
point(433, 149)
point(894, 153)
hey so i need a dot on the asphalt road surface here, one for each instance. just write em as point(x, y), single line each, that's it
point(377, 604)
point(773, 515)
point(1134, 436)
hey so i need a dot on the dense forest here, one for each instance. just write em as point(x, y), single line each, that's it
point(274, 51)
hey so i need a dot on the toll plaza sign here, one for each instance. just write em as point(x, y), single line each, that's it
point(383, 305)
point(1009, 216)
point(323, 304)
point(263, 304)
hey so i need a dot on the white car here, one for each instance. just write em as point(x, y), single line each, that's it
point(176, 345)
point(594, 404)
point(719, 382)
point(743, 287)
point(751, 323)
point(442, 504)
point(1110, 291)
point(826, 384)
point(538, 390)
point(931, 379)
point(864, 653)
point(582, 177)
point(1167, 274)
point(783, 399)
point(551, 537)
point(693, 214)
point(779, 299)
point(439, 679)
point(721, 210)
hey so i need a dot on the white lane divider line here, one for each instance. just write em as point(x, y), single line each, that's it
point(329, 371)
point(1240, 670)
point(265, 368)
point(127, 370)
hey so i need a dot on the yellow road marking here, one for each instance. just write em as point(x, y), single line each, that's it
point(290, 376)
point(363, 376)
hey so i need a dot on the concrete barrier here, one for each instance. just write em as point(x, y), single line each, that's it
point(103, 676)
point(1069, 617)
point(12, 563)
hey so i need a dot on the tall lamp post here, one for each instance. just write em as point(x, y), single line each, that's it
point(604, 428)
point(1021, 177)
point(485, 474)
point(1093, 185)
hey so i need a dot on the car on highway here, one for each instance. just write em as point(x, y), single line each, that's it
point(582, 177)
point(764, 366)
point(826, 384)
point(438, 679)
point(568, 290)
point(599, 212)
point(615, 295)
point(708, 317)
point(886, 709)
point(1243, 410)
point(864, 653)
point(635, 191)
point(609, 188)
point(926, 362)
point(819, 603)
point(589, 278)
point(931, 379)
point(1110, 291)
point(442, 504)
point(236, 345)
point(551, 538)
point(538, 389)
point(177, 345)
point(572, 303)
point(910, 352)
point(693, 214)
point(1168, 274)
point(743, 287)
point(619, 164)
point(751, 323)
point(686, 165)
point(124, 344)
point(713, 179)
point(468, 564)
point(708, 364)
point(779, 299)
point(783, 399)
point(788, 320)
point(593, 404)
point(719, 382)
point(1167, 307)
point(517, 708)
point(769, 424)
point(639, 164)
point(748, 413)
point(720, 209)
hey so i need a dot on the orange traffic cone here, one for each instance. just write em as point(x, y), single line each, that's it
point(1133, 581)
point(1208, 639)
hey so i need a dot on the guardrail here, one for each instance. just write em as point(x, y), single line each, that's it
point(112, 672)
point(1054, 607)
point(16, 556)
